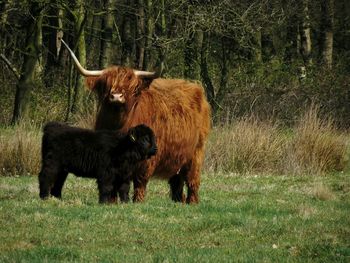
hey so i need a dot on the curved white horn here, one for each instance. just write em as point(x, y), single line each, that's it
point(144, 74)
point(84, 72)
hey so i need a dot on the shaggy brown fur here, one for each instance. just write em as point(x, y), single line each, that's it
point(108, 156)
point(178, 113)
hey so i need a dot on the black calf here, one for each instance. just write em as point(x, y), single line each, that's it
point(108, 156)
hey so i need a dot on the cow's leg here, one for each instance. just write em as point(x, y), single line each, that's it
point(177, 183)
point(140, 184)
point(140, 180)
point(192, 177)
point(56, 190)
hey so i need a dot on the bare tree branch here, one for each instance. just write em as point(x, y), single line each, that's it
point(10, 66)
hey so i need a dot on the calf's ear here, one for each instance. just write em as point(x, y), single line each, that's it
point(132, 136)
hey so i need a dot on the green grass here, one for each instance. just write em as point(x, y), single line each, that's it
point(239, 219)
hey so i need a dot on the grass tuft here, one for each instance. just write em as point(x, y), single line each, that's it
point(246, 146)
point(322, 192)
point(317, 146)
point(20, 150)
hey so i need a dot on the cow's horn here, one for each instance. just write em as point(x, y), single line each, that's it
point(144, 74)
point(84, 72)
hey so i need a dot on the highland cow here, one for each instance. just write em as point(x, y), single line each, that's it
point(176, 110)
point(107, 156)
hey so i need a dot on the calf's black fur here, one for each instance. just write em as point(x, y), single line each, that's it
point(108, 156)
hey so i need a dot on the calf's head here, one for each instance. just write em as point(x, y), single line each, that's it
point(142, 142)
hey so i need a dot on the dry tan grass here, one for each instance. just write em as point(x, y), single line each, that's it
point(20, 150)
point(86, 119)
point(316, 147)
point(321, 192)
point(246, 146)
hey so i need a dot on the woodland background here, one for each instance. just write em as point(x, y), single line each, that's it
point(272, 59)
point(275, 182)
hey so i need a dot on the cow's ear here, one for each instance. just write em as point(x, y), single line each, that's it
point(147, 80)
point(132, 136)
point(145, 83)
point(90, 82)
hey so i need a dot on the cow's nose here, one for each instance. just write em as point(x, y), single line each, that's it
point(117, 97)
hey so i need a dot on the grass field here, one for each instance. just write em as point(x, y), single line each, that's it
point(239, 219)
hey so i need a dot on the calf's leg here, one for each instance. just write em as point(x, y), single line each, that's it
point(105, 180)
point(123, 191)
point(56, 190)
point(47, 178)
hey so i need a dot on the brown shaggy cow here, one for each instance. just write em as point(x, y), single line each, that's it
point(176, 110)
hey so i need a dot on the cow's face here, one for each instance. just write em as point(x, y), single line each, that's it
point(116, 86)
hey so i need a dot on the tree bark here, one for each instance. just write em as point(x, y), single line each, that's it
point(305, 32)
point(291, 46)
point(107, 35)
point(140, 45)
point(224, 74)
point(192, 55)
point(326, 39)
point(208, 84)
point(256, 48)
point(79, 23)
point(127, 38)
point(3, 21)
point(149, 36)
point(54, 31)
point(32, 53)
point(160, 67)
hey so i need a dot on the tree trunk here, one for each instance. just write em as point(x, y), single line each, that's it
point(4, 6)
point(127, 38)
point(305, 32)
point(326, 39)
point(32, 53)
point(291, 46)
point(192, 55)
point(149, 32)
point(208, 85)
point(140, 45)
point(224, 74)
point(53, 29)
point(93, 23)
point(256, 51)
point(79, 23)
point(107, 35)
point(160, 67)
point(267, 46)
